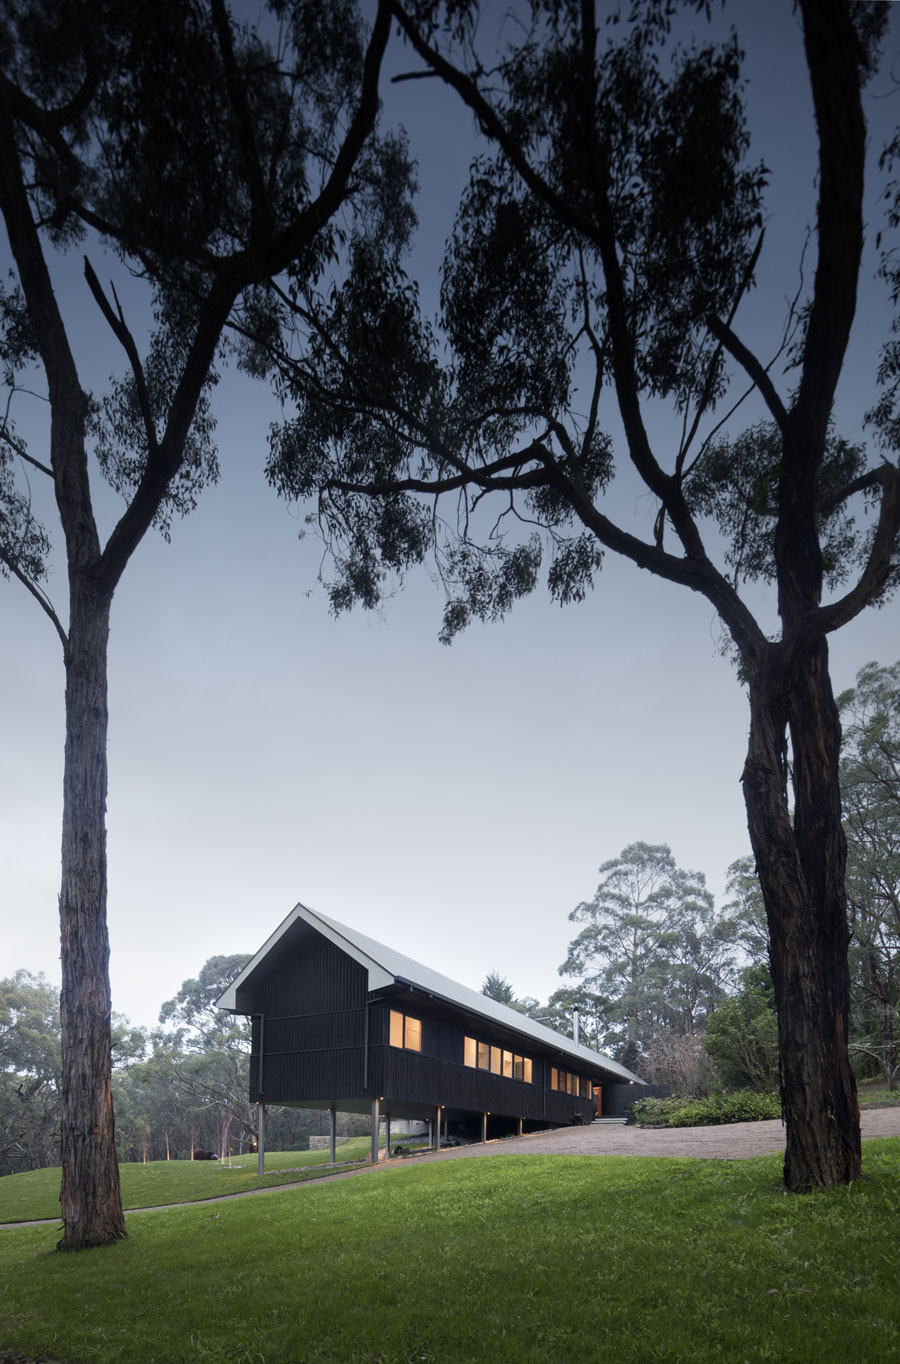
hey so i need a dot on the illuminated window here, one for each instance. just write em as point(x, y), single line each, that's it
point(405, 1031)
point(554, 1078)
point(484, 1056)
point(396, 1029)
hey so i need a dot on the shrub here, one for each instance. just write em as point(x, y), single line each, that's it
point(744, 1105)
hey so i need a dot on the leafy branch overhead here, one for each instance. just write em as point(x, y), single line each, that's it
point(602, 248)
point(595, 277)
point(211, 160)
point(207, 162)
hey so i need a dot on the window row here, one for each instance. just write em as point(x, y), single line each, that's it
point(482, 1056)
point(568, 1083)
point(406, 1031)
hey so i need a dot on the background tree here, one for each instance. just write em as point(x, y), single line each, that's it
point(211, 1049)
point(30, 1066)
point(742, 1034)
point(651, 954)
point(747, 911)
point(212, 164)
point(495, 986)
point(559, 1013)
point(609, 234)
point(870, 786)
point(681, 1062)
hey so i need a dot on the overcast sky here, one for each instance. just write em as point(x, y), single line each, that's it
point(455, 803)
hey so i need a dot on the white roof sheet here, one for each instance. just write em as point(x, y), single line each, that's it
point(387, 967)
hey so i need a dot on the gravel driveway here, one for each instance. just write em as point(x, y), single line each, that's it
point(736, 1141)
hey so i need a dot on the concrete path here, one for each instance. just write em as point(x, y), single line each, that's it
point(736, 1141)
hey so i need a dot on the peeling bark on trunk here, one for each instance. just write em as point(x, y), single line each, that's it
point(801, 871)
point(90, 1195)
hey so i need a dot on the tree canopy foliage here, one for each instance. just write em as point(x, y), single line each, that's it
point(596, 272)
point(224, 165)
point(652, 957)
point(178, 1087)
point(870, 783)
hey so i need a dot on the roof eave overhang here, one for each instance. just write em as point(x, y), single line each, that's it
point(379, 978)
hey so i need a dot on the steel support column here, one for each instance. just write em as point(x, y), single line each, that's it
point(333, 1115)
point(260, 1138)
point(376, 1124)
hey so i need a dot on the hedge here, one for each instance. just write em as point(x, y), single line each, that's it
point(744, 1105)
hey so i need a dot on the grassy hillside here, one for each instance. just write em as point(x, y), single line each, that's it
point(35, 1194)
point(513, 1260)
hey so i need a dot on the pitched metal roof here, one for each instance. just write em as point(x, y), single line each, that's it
point(386, 967)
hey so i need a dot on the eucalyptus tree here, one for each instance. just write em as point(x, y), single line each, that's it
point(222, 167)
point(29, 1072)
point(747, 910)
point(209, 1048)
point(870, 786)
point(495, 986)
point(595, 274)
point(651, 953)
point(742, 1034)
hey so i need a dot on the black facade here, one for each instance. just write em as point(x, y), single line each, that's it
point(334, 1027)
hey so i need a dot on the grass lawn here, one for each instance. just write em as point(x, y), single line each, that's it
point(36, 1193)
point(512, 1259)
point(873, 1092)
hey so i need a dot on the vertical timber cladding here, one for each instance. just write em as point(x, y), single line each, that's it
point(437, 1074)
point(310, 1038)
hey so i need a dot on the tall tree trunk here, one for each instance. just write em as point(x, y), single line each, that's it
point(90, 1195)
point(801, 872)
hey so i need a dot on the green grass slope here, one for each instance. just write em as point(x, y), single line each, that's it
point(507, 1260)
point(35, 1194)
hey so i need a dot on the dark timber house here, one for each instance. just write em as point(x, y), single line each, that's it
point(343, 1023)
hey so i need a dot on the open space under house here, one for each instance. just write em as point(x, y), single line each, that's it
point(343, 1023)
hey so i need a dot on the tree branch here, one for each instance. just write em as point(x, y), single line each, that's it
point(876, 573)
point(489, 478)
point(726, 337)
point(15, 444)
point(68, 458)
point(116, 322)
point(24, 108)
point(334, 191)
point(688, 439)
point(832, 57)
point(872, 479)
point(237, 95)
point(40, 597)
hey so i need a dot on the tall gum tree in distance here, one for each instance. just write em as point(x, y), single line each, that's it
point(610, 231)
point(220, 167)
point(651, 954)
point(870, 786)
